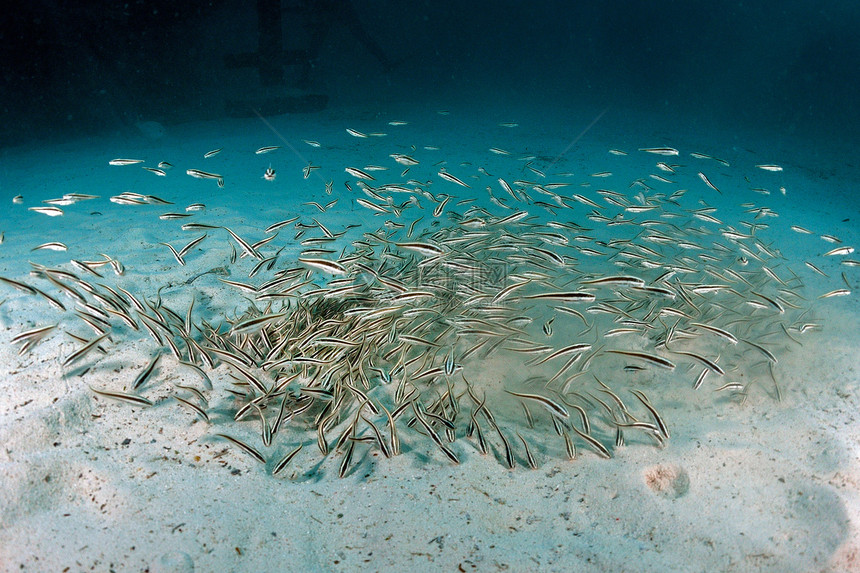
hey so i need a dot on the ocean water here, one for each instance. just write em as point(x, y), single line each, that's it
point(487, 287)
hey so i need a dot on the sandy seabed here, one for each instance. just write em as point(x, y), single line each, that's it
point(95, 485)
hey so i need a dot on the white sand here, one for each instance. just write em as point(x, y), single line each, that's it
point(91, 484)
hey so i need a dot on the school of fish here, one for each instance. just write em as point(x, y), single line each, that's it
point(520, 314)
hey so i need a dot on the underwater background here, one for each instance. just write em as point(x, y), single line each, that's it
point(785, 67)
point(313, 286)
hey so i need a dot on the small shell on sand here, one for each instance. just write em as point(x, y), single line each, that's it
point(667, 480)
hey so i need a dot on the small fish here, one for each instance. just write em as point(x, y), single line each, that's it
point(547, 327)
point(419, 415)
point(601, 449)
point(404, 159)
point(35, 334)
point(279, 225)
point(25, 288)
point(355, 133)
point(707, 362)
point(123, 397)
point(146, 373)
point(707, 181)
point(267, 149)
point(241, 286)
point(615, 279)
point(327, 266)
point(86, 348)
point(836, 251)
point(448, 177)
point(661, 179)
point(198, 174)
point(18, 199)
point(312, 143)
point(529, 457)
point(196, 207)
point(308, 169)
point(355, 172)
point(197, 409)
point(837, 292)
point(124, 161)
point(198, 227)
point(553, 407)
point(347, 459)
point(64, 201)
point(660, 150)
point(770, 167)
point(269, 175)
point(164, 165)
point(718, 331)
point(441, 206)
point(652, 358)
point(125, 200)
point(733, 386)
point(53, 246)
point(814, 268)
point(770, 356)
point(212, 153)
point(567, 296)
point(49, 211)
point(426, 249)
point(159, 172)
point(700, 379)
point(286, 460)
point(248, 449)
point(248, 249)
point(772, 302)
point(191, 245)
point(586, 201)
point(176, 255)
point(371, 205)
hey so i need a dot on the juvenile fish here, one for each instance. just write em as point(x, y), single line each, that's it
point(49, 211)
point(123, 397)
point(448, 177)
point(660, 150)
point(202, 174)
point(355, 172)
point(53, 246)
point(327, 266)
point(552, 406)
